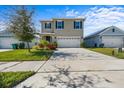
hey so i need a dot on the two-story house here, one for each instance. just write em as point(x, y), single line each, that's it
point(67, 32)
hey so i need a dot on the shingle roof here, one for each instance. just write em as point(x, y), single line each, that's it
point(5, 33)
point(98, 32)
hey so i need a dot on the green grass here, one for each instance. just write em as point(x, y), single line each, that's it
point(120, 55)
point(108, 51)
point(11, 79)
point(24, 55)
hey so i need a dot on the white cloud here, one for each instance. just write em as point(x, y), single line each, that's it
point(99, 18)
point(71, 13)
point(2, 26)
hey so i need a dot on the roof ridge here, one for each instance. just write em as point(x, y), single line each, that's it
point(100, 31)
point(97, 32)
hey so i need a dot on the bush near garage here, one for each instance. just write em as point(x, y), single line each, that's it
point(51, 46)
point(35, 47)
point(41, 45)
point(55, 43)
point(83, 45)
point(46, 45)
point(44, 42)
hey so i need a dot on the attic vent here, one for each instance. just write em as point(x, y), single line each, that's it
point(113, 30)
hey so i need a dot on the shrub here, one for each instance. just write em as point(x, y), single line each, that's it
point(51, 46)
point(101, 45)
point(47, 45)
point(55, 43)
point(82, 44)
point(44, 42)
point(21, 45)
point(35, 47)
point(41, 45)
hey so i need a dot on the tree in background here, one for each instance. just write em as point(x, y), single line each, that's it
point(21, 24)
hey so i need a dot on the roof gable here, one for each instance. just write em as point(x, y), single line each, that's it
point(107, 31)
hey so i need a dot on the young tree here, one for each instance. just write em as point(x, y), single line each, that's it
point(21, 24)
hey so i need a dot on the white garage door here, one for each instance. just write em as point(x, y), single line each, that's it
point(69, 42)
point(114, 41)
point(6, 42)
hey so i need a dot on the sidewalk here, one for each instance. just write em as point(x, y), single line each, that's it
point(20, 66)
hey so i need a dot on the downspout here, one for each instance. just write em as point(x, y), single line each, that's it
point(82, 32)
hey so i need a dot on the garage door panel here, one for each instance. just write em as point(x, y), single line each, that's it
point(69, 42)
point(6, 42)
point(113, 41)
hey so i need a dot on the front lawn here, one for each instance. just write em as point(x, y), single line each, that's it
point(108, 51)
point(24, 55)
point(11, 79)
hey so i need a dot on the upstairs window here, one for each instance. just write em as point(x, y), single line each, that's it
point(113, 30)
point(48, 25)
point(59, 24)
point(77, 24)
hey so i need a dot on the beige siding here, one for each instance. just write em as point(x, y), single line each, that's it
point(47, 30)
point(68, 28)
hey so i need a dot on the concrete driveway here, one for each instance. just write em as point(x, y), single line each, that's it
point(78, 54)
point(110, 70)
point(81, 60)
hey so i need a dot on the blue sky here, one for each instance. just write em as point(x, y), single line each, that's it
point(97, 16)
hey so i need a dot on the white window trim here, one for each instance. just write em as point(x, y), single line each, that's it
point(79, 25)
point(57, 25)
point(59, 29)
point(47, 28)
point(59, 20)
point(77, 29)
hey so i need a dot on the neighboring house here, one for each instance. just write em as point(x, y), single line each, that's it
point(109, 37)
point(7, 39)
point(66, 32)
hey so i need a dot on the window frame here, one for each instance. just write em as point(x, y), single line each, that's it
point(59, 26)
point(47, 24)
point(79, 24)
